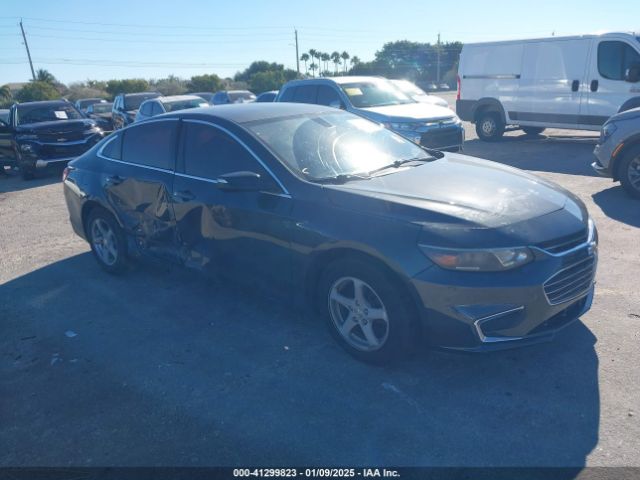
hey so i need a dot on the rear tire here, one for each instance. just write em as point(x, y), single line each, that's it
point(629, 171)
point(107, 240)
point(533, 130)
point(366, 312)
point(489, 126)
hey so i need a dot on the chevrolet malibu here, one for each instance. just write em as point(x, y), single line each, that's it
point(389, 241)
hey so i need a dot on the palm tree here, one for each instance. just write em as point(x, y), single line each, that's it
point(5, 94)
point(345, 56)
point(325, 58)
point(305, 58)
point(313, 53)
point(335, 56)
point(313, 67)
point(45, 76)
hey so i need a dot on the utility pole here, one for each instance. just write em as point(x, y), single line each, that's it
point(297, 54)
point(438, 68)
point(33, 73)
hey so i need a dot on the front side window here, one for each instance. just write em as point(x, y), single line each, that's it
point(374, 94)
point(327, 95)
point(174, 105)
point(305, 94)
point(287, 95)
point(152, 144)
point(614, 58)
point(26, 114)
point(210, 153)
point(145, 109)
point(331, 144)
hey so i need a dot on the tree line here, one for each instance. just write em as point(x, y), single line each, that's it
point(415, 61)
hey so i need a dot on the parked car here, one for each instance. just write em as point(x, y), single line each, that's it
point(39, 134)
point(379, 100)
point(125, 107)
point(383, 237)
point(208, 96)
point(224, 97)
point(101, 113)
point(419, 95)
point(5, 161)
point(618, 150)
point(267, 96)
point(559, 82)
point(428, 86)
point(173, 103)
point(84, 103)
point(443, 86)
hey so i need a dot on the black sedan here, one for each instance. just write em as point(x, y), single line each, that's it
point(386, 239)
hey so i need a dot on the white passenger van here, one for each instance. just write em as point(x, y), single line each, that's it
point(560, 82)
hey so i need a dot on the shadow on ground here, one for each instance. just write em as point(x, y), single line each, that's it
point(617, 204)
point(162, 367)
point(11, 181)
point(539, 152)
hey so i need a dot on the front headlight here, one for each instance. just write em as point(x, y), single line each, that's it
point(402, 127)
point(607, 130)
point(93, 130)
point(27, 136)
point(489, 260)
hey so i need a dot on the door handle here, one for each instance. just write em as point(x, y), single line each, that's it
point(114, 180)
point(183, 196)
point(594, 85)
point(575, 85)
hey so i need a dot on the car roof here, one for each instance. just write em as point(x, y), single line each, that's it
point(247, 112)
point(140, 93)
point(44, 103)
point(177, 98)
point(337, 80)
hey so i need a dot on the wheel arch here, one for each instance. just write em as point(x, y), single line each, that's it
point(488, 104)
point(88, 207)
point(629, 144)
point(630, 103)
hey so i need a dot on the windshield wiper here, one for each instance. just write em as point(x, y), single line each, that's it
point(399, 163)
point(340, 178)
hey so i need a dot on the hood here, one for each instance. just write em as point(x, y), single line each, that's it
point(56, 126)
point(626, 115)
point(441, 102)
point(408, 112)
point(462, 193)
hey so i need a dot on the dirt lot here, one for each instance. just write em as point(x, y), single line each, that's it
point(163, 367)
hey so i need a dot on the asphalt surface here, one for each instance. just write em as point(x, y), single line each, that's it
point(163, 367)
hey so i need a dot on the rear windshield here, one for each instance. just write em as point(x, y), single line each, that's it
point(102, 107)
point(172, 106)
point(132, 102)
point(38, 113)
point(246, 96)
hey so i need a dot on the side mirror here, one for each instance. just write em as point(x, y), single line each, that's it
point(336, 104)
point(632, 74)
point(4, 127)
point(241, 182)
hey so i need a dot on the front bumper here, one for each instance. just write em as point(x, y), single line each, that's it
point(603, 161)
point(40, 155)
point(475, 311)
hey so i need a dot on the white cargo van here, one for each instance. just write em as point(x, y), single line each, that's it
point(560, 82)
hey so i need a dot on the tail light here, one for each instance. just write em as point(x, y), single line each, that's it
point(65, 173)
point(459, 87)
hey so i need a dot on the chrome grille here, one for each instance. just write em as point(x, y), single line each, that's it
point(571, 282)
point(565, 243)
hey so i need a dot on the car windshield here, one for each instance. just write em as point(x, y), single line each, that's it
point(408, 87)
point(88, 101)
point(101, 107)
point(173, 105)
point(374, 94)
point(132, 102)
point(26, 114)
point(333, 144)
point(244, 96)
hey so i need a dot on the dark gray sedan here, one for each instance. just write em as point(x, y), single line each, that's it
point(389, 241)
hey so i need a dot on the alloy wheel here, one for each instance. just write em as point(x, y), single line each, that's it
point(358, 314)
point(634, 173)
point(104, 241)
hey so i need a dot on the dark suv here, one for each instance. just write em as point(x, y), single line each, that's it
point(39, 134)
point(126, 105)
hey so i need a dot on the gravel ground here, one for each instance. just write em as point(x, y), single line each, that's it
point(163, 367)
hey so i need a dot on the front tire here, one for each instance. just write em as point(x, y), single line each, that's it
point(107, 240)
point(629, 172)
point(367, 313)
point(489, 126)
point(533, 130)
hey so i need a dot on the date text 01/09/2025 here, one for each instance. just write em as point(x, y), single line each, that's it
point(315, 472)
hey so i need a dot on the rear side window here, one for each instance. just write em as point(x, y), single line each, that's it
point(305, 94)
point(146, 109)
point(614, 58)
point(327, 95)
point(152, 144)
point(156, 109)
point(210, 153)
point(287, 95)
point(113, 148)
